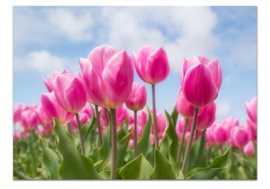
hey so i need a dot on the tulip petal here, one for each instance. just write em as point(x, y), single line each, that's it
point(215, 69)
point(183, 70)
point(157, 67)
point(118, 77)
point(199, 87)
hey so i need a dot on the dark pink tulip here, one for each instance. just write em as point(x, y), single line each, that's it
point(17, 110)
point(249, 148)
point(29, 119)
point(220, 134)
point(151, 65)
point(137, 98)
point(53, 109)
point(83, 118)
point(251, 108)
point(206, 117)
point(239, 136)
point(201, 81)
point(183, 107)
point(108, 74)
point(161, 124)
point(70, 92)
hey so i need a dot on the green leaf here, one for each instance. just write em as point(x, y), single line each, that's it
point(123, 131)
point(121, 150)
point(138, 168)
point(94, 154)
point(74, 165)
point(107, 174)
point(237, 172)
point(174, 116)
point(219, 163)
point(98, 164)
point(180, 176)
point(163, 169)
point(144, 145)
point(164, 145)
point(50, 160)
point(104, 151)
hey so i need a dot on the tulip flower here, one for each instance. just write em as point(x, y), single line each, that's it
point(70, 92)
point(136, 101)
point(220, 134)
point(44, 120)
point(108, 75)
point(251, 108)
point(249, 148)
point(50, 80)
point(161, 124)
point(83, 117)
point(252, 126)
point(17, 110)
point(29, 119)
point(239, 136)
point(142, 118)
point(152, 67)
point(87, 110)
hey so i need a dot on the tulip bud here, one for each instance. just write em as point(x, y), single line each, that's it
point(249, 148)
point(137, 98)
point(29, 119)
point(201, 81)
point(151, 65)
point(239, 136)
point(161, 124)
point(17, 110)
point(220, 134)
point(251, 108)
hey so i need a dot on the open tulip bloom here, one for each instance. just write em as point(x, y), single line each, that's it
point(120, 137)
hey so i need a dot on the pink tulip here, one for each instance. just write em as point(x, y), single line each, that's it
point(183, 107)
point(161, 124)
point(39, 132)
point(137, 98)
point(131, 119)
point(251, 108)
point(239, 136)
point(87, 110)
point(108, 75)
point(151, 65)
point(206, 117)
point(29, 119)
point(139, 132)
point(53, 109)
point(142, 118)
point(70, 92)
point(249, 148)
point(17, 110)
point(180, 126)
point(48, 128)
point(83, 118)
point(251, 135)
point(252, 126)
point(121, 115)
point(44, 120)
point(201, 80)
point(220, 134)
point(16, 135)
point(152, 137)
point(209, 135)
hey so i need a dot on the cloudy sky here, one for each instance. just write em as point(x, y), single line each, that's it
point(54, 38)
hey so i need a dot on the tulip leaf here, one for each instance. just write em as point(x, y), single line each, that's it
point(74, 165)
point(164, 145)
point(237, 172)
point(174, 116)
point(162, 169)
point(144, 144)
point(138, 168)
point(123, 131)
point(98, 164)
point(50, 160)
point(121, 150)
point(219, 163)
point(104, 151)
point(107, 174)
point(180, 176)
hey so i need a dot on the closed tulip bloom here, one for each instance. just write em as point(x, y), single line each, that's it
point(201, 81)
point(151, 65)
point(17, 110)
point(70, 92)
point(161, 124)
point(142, 118)
point(249, 148)
point(209, 135)
point(252, 126)
point(251, 108)
point(137, 98)
point(206, 117)
point(29, 119)
point(53, 109)
point(44, 120)
point(50, 79)
point(108, 75)
point(183, 107)
point(239, 136)
point(220, 134)
point(121, 115)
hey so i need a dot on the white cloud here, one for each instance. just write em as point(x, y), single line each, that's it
point(44, 63)
point(223, 108)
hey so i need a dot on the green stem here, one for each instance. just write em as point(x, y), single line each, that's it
point(154, 116)
point(135, 134)
point(98, 125)
point(32, 138)
point(190, 140)
point(80, 133)
point(181, 143)
point(114, 144)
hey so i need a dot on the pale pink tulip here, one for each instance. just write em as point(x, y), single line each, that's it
point(251, 108)
point(249, 148)
point(29, 119)
point(17, 110)
point(239, 136)
point(161, 124)
point(50, 79)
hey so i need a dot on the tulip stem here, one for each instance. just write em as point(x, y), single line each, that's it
point(197, 134)
point(154, 116)
point(114, 144)
point(98, 125)
point(135, 134)
point(70, 128)
point(106, 117)
point(190, 140)
point(181, 143)
point(80, 132)
point(51, 135)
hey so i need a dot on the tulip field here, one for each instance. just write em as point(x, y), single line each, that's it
point(96, 123)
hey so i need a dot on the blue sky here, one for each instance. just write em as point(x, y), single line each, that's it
point(54, 38)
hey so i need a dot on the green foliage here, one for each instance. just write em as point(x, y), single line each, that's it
point(174, 116)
